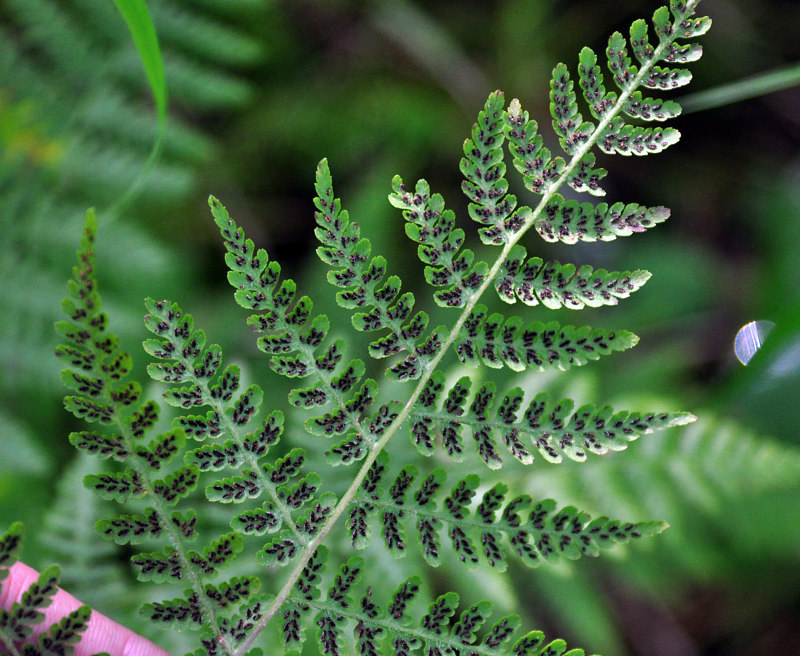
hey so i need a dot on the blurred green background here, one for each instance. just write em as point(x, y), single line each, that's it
point(260, 91)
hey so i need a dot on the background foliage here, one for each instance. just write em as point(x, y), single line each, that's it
point(260, 91)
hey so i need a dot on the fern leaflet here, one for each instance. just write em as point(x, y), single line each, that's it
point(534, 531)
point(17, 624)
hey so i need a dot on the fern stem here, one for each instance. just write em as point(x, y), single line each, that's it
point(431, 365)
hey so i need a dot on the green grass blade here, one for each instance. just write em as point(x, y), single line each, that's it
point(750, 87)
point(137, 16)
point(140, 24)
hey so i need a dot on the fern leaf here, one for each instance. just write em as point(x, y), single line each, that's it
point(534, 531)
point(184, 611)
point(433, 228)
point(101, 445)
point(62, 637)
point(121, 486)
point(196, 371)
point(131, 529)
point(495, 341)
point(303, 350)
point(379, 300)
point(483, 167)
point(97, 371)
point(553, 428)
point(273, 491)
point(557, 285)
point(188, 611)
point(19, 620)
point(10, 546)
point(344, 609)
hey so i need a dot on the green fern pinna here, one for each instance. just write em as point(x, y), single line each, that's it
point(225, 442)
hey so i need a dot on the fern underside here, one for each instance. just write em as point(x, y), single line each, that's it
point(19, 620)
point(240, 455)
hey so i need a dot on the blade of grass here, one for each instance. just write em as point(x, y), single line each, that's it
point(140, 24)
point(137, 16)
point(751, 87)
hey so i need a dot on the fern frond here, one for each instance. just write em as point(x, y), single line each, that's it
point(196, 373)
point(557, 285)
point(569, 221)
point(535, 531)
point(494, 340)
point(365, 287)
point(532, 281)
point(235, 459)
point(19, 619)
point(259, 291)
point(433, 228)
point(342, 609)
point(97, 368)
point(298, 340)
point(555, 429)
point(10, 545)
point(485, 184)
